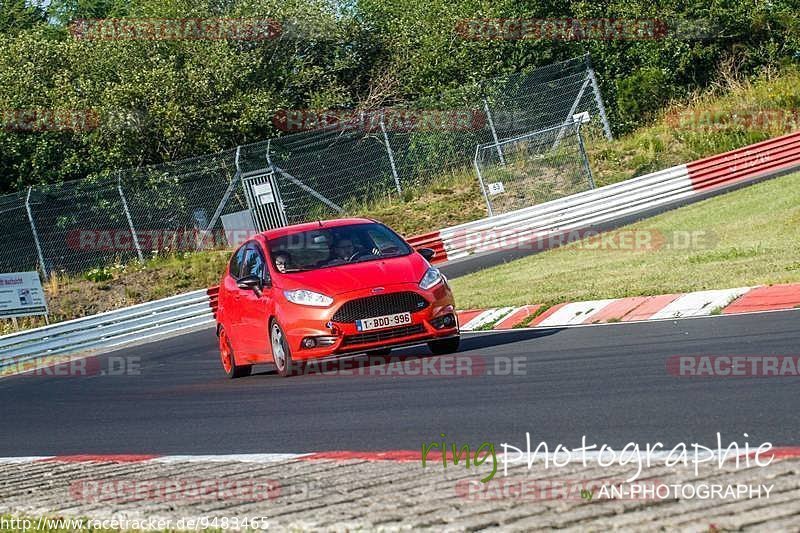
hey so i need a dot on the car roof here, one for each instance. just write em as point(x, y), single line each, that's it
point(297, 228)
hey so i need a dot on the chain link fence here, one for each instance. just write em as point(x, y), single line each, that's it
point(318, 173)
point(533, 168)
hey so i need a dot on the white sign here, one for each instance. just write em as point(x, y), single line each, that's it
point(496, 188)
point(263, 192)
point(21, 294)
point(582, 117)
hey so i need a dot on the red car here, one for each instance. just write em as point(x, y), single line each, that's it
point(326, 289)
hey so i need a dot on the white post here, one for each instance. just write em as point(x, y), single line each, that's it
point(494, 131)
point(35, 234)
point(598, 98)
point(391, 157)
point(130, 220)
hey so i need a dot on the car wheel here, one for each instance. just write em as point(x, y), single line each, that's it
point(444, 346)
point(381, 352)
point(229, 359)
point(281, 353)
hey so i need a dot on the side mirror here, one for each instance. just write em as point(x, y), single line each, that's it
point(427, 253)
point(252, 283)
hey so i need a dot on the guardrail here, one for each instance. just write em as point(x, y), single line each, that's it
point(619, 201)
point(110, 329)
point(580, 211)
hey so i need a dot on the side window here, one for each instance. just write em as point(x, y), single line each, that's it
point(253, 261)
point(236, 263)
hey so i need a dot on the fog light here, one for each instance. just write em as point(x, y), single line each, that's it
point(443, 322)
point(309, 342)
point(318, 342)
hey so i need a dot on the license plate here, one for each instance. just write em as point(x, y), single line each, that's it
point(386, 321)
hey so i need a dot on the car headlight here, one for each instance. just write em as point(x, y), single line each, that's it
point(304, 297)
point(430, 279)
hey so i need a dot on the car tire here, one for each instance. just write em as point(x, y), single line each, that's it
point(228, 358)
point(281, 353)
point(444, 346)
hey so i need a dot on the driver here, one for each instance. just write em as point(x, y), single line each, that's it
point(343, 249)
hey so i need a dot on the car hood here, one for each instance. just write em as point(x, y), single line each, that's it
point(358, 276)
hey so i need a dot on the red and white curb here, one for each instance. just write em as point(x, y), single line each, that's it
point(636, 308)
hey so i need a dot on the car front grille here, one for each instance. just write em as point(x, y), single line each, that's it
point(379, 305)
point(383, 334)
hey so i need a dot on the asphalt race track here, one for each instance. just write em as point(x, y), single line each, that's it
point(607, 382)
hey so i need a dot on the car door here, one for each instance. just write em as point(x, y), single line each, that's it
point(230, 300)
point(253, 329)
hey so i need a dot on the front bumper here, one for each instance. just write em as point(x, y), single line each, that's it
point(343, 338)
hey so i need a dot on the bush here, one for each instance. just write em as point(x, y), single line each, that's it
point(641, 95)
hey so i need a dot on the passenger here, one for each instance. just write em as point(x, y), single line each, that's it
point(281, 262)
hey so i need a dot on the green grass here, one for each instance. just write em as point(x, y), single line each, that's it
point(753, 238)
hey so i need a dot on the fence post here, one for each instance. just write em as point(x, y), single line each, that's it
point(35, 234)
point(572, 110)
point(480, 180)
point(225, 197)
point(584, 156)
point(598, 98)
point(130, 220)
point(494, 131)
point(391, 157)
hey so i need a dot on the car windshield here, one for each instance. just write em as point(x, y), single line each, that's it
point(330, 247)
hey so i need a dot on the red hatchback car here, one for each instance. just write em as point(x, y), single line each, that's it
point(326, 289)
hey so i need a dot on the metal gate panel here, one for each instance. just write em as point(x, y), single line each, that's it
point(264, 200)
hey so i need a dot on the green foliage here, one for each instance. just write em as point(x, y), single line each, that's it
point(19, 15)
point(163, 100)
point(641, 94)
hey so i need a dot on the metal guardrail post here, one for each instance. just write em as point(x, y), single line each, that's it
point(130, 220)
point(494, 131)
point(35, 233)
point(598, 98)
point(391, 157)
